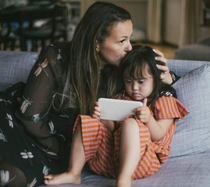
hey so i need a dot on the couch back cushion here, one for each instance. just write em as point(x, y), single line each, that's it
point(15, 67)
point(192, 134)
point(181, 67)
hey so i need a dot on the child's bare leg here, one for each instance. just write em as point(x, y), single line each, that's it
point(76, 163)
point(129, 152)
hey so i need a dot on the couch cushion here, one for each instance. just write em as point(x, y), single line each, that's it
point(186, 171)
point(193, 132)
point(181, 67)
point(15, 67)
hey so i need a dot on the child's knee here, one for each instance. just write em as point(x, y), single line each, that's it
point(131, 122)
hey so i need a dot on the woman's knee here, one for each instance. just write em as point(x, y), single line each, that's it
point(11, 176)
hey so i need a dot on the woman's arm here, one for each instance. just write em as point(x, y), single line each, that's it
point(37, 99)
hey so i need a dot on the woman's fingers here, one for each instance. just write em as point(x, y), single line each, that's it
point(163, 60)
point(165, 75)
point(159, 53)
point(164, 69)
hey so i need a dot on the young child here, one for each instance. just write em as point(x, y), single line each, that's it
point(137, 146)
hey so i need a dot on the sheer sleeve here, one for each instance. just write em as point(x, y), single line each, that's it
point(174, 77)
point(38, 96)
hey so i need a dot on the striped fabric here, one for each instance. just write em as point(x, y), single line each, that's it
point(102, 147)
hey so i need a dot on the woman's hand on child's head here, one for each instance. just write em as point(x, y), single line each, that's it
point(96, 111)
point(165, 76)
point(143, 113)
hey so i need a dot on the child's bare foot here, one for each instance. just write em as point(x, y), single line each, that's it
point(63, 178)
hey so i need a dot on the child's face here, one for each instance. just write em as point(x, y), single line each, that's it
point(139, 88)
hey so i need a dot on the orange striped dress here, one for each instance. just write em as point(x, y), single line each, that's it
point(102, 146)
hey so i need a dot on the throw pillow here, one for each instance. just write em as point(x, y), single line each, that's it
point(192, 134)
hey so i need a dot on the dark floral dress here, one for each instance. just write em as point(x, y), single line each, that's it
point(34, 138)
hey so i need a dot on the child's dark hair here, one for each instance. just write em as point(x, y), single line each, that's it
point(136, 60)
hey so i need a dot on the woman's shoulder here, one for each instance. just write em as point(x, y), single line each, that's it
point(57, 50)
point(64, 46)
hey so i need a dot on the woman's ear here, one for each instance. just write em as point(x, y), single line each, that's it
point(97, 46)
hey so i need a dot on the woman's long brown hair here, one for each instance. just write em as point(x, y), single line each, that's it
point(83, 74)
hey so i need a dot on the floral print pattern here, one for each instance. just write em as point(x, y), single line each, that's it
point(25, 104)
point(9, 118)
point(45, 170)
point(19, 134)
point(32, 183)
point(27, 155)
point(2, 136)
point(52, 128)
point(8, 101)
point(36, 117)
point(5, 177)
point(41, 67)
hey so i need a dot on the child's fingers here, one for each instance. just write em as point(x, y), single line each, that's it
point(142, 107)
point(96, 116)
point(97, 109)
point(145, 102)
point(96, 103)
point(98, 113)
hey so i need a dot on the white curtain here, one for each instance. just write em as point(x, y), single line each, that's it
point(154, 20)
point(190, 22)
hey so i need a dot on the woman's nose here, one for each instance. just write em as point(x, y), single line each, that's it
point(129, 46)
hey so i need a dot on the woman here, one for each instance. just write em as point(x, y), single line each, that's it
point(36, 123)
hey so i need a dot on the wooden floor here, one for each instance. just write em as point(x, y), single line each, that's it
point(166, 49)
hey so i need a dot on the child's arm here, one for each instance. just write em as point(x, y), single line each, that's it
point(97, 113)
point(157, 128)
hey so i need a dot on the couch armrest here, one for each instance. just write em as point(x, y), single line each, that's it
point(15, 67)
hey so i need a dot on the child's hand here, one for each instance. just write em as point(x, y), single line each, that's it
point(96, 111)
point(143, 113)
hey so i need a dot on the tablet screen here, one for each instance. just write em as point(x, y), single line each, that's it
point(117, 110)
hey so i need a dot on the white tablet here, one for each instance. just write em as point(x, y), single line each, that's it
point(117, 110)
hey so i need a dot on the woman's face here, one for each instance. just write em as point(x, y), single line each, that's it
point(116, 45)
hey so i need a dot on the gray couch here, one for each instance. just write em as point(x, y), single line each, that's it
point(198, 51)
point(189, 162)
